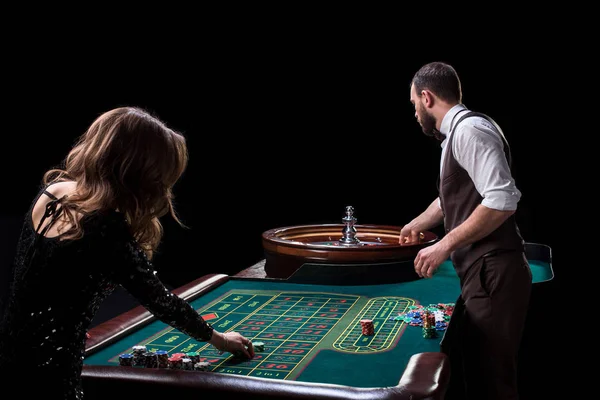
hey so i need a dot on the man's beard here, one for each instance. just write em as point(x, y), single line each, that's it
point(428, 124)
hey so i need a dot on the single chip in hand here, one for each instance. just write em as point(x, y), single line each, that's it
point(258, 346)
point(239, 354)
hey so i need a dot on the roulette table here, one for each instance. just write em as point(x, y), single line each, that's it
point(308, 316)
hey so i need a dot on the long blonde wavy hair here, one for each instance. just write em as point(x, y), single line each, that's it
point(127, 160)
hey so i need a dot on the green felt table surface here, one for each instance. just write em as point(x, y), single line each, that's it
point(312, 333)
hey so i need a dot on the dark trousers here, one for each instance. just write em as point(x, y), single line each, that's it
point(485, 331)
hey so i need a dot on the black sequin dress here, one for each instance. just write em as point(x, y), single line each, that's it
point(57, 288)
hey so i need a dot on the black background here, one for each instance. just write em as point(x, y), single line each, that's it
point(280, 137)
point(287, 125)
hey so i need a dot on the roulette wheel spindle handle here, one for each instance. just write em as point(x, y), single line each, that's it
point(349, 232)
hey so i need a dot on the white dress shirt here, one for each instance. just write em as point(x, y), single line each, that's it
point(479, 149)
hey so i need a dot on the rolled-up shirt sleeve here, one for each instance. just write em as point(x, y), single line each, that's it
point(478, 148)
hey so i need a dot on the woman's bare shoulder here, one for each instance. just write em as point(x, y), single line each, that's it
point(58, 190)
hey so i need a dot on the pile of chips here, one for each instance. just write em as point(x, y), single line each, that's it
point(432, 318)
point(140, 357)
point(186, 361)
point(368, 329)
point(429, 330)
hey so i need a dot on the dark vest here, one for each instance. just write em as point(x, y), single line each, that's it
point(458, 198)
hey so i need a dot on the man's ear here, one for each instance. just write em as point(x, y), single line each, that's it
point(428, 97)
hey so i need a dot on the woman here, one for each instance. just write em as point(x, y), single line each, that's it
point(93, 226)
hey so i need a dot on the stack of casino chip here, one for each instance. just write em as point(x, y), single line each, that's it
point(184, 361)
point(415, 315)
point(202, 366)
point(429, 325)
point(194, 356)
point(126, 360)
point(258, 346)
point(163, 358)
point(368, 329)
point(187, 364)
point(151, 360)
point(175, 362)
point(139, 359)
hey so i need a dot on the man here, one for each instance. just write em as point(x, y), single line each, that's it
point(476, 203)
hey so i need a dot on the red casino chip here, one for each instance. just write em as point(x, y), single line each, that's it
point(368, 329)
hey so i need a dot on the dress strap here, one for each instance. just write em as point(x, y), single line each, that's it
point(47, 193)
point(52, 211)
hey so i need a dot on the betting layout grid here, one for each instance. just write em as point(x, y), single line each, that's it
point(285, 328)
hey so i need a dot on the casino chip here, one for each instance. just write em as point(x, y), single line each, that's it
point(175, 362)
point(151, 360)
point(368, 329)
point(126, 360)
point(163, 358)
point(202, 366)
point(194, 356)
point(258, 346)
point(187, 364)
point(139, 359)
point(429, 325)
point(432, 318)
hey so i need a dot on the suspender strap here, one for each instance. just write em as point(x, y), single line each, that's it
point(482, 115)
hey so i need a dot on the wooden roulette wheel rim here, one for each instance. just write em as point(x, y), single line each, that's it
point(288, 248)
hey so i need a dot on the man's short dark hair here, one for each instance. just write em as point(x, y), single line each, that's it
point(441, 79)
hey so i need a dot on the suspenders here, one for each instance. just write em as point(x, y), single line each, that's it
point(478, 114)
